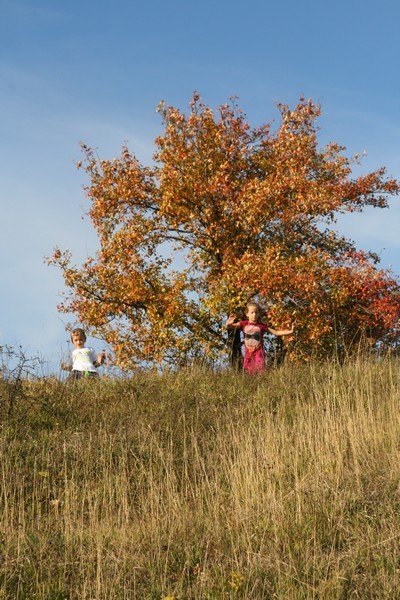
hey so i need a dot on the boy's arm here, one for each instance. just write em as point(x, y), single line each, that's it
point(101, 358)
point(66, 366)
point(232, 323)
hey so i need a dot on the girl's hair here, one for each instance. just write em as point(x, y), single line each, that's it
point(262, 311)
point(78, 330)
point(253, 303)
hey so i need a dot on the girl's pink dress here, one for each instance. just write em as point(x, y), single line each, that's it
point(254, 357)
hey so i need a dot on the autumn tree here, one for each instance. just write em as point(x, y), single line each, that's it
point(227, 213)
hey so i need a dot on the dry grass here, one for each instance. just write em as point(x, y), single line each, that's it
point(201, 485)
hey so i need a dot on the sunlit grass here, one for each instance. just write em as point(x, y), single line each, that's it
point(202, 485)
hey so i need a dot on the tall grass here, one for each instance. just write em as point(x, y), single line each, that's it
point(204, 485)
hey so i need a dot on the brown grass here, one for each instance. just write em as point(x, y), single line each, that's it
point(203, 485)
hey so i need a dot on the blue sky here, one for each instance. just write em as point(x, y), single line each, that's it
point(96, 71)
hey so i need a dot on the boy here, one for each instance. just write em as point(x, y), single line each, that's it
point(84, 360)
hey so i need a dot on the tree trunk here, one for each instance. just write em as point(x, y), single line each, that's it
point(235, 349)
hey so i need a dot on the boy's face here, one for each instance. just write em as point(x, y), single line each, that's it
point(78, 340)
point(252, 314)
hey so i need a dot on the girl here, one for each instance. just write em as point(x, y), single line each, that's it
point(253, 330)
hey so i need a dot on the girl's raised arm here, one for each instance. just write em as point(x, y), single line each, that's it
point(232, 323)
point(280, 332)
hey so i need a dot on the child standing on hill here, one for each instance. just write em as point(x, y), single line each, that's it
point(253, 330)
point(84, 360)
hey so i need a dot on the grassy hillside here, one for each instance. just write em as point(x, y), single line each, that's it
point(203, 485)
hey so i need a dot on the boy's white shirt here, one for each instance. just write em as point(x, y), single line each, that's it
point(83, 359)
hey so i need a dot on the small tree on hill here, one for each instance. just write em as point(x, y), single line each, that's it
point(228, 213)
